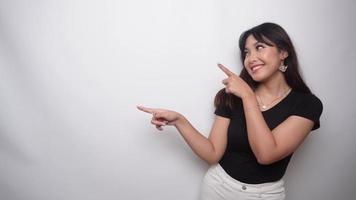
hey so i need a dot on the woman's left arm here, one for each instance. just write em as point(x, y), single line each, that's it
point(268, 145)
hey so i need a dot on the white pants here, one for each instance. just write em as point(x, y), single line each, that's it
point(217, 184)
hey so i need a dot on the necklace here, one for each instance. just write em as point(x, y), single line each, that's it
point(265, 106)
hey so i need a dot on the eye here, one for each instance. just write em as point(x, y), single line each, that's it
point(259, 47)
point(246, 52)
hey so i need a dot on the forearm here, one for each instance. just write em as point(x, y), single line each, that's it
point(260, 136)
point(197, 142)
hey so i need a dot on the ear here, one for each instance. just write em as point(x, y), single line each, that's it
point(283, 54)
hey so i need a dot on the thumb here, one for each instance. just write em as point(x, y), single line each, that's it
point(159, 115)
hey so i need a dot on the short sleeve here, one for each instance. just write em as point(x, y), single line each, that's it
point(309, 107)
point(222, 109)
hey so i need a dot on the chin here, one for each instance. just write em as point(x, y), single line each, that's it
point(258, 78)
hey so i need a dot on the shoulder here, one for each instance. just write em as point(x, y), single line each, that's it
point(308, 106)
point(307, 99)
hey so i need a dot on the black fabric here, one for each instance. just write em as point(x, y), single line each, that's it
point(239, 161)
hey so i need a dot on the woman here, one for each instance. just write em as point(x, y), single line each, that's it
point(262, 116)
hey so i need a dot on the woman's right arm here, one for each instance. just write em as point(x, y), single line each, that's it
point(210, 149)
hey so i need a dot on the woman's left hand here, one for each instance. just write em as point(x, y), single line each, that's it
point(234, 84)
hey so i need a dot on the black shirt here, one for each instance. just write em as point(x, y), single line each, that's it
point(239, 161)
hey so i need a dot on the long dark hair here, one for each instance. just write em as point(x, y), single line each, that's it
point(273, 35)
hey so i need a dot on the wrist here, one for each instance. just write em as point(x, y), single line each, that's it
point(248, 95)
point(180, 119)
point(250, 101)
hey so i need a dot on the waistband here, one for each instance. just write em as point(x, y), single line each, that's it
point(277, 186)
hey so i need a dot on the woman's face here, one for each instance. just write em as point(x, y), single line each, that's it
point(262, 61)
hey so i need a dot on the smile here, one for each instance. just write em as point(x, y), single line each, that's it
point(255, 68)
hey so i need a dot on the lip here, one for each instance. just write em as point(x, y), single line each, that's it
point(254, 68)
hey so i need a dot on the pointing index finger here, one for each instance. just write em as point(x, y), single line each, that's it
point(225, 70)
point(144, 109)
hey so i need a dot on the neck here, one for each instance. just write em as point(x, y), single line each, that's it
point(275, 86)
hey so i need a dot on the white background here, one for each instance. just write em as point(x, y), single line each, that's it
point(72, 73)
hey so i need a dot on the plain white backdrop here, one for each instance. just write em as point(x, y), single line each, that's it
point(72, 73)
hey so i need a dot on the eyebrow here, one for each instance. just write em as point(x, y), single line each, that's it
point(254, 44)
point(257, 43)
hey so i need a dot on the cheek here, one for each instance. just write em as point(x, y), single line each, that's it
point(247, 68)
point(272, 57)
point(245, 64)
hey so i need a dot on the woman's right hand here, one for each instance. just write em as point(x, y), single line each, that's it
point(161, 117)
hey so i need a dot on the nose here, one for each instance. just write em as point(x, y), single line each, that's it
point(251, 57)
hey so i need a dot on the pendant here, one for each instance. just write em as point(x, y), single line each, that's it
point(264, 107)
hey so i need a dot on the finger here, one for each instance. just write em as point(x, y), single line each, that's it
point(158, 115)
point(147, 110)
point(227, 90)
point(225, 70)
point(162, 120)
point(159, 128)
point(225, 81)
point(158, 122)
